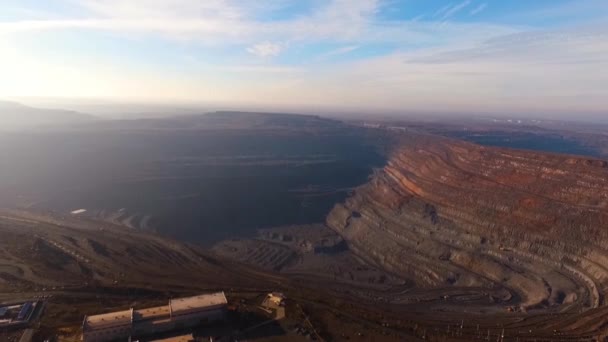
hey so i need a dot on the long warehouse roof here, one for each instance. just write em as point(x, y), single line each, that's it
point(175, 307)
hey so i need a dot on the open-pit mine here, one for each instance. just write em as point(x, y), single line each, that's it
point(445, 240)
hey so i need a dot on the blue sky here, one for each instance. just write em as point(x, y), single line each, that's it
point(387, 55)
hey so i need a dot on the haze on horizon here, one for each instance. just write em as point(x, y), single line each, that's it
point(490, 56)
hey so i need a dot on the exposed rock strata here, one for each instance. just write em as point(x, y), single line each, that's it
point(312, 252)
point(528, 228)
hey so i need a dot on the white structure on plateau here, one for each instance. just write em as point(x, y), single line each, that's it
point(178, 314)
point(276, 298)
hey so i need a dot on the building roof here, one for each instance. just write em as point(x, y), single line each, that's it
point(207, 301)
point(109, 320)
point(151, 313)
point(156, 314)
point(183, 338)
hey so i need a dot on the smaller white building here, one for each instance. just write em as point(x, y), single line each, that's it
point(276, 298)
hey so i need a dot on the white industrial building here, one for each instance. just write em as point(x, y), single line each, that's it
point(178, 314)
point(276, 298)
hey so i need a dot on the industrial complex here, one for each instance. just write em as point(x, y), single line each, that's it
point(17, 315)
point(178, 314)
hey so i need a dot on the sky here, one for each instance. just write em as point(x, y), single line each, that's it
point(482, 56)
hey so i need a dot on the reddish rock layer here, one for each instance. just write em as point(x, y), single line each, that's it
point(527, 228)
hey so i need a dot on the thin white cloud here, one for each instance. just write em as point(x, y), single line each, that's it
point(339, 51)
point(533, 72)
point(339, 21)
point(479, 8)
point(566, 47)
point(417, 18)
point(169, 9)
point(442, 10)
point(455, 9)
point(259, 69)
point(209, 20)
point(161, 26)
point(265, 49)
point(469, 66)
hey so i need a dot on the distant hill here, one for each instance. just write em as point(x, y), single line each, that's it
point(227, 120)
point(13, 114)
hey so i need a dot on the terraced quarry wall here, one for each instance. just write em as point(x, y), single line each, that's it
point(42, 253)
point(524, 229)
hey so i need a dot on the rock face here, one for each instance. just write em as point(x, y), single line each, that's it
point(39, 250)
point(525, 228)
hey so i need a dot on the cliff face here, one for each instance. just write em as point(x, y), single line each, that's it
point(529, 229)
